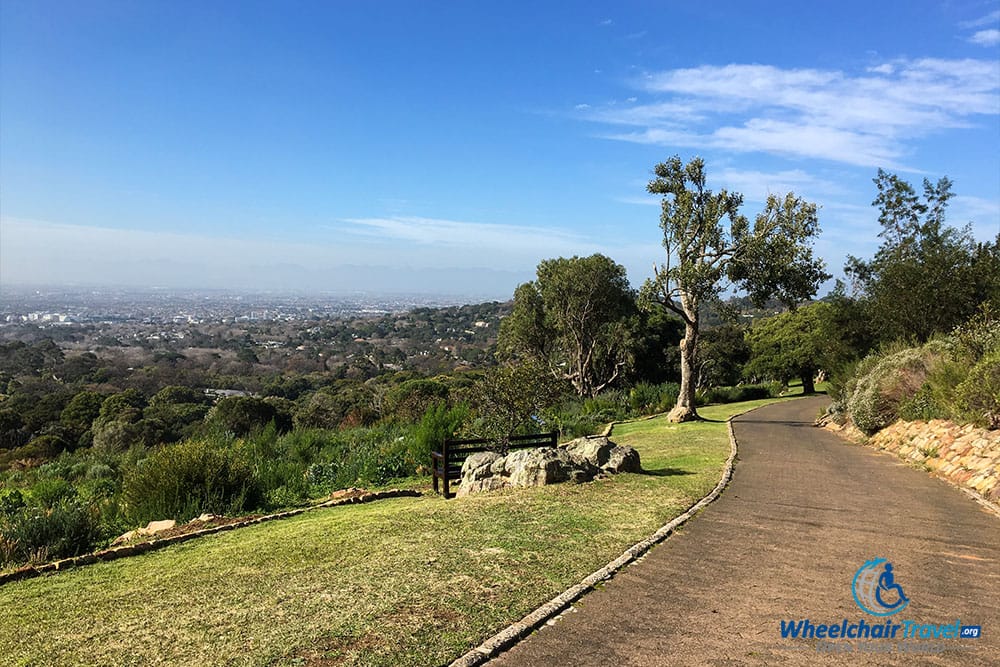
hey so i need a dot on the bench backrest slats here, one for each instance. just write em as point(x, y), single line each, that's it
point(446, 464)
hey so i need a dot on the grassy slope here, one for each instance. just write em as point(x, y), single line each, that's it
point(408, 581)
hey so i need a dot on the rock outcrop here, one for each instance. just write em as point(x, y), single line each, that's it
point(605, 454)
point(578, 461)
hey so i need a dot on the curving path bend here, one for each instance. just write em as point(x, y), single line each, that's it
point(804, 511)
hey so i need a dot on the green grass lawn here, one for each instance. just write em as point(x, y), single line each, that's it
point(409, 581)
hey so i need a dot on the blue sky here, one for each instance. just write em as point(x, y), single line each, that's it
point(447, 147)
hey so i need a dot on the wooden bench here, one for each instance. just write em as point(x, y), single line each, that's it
point(446, 465)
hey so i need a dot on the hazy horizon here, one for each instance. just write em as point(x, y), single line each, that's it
point(449, 148)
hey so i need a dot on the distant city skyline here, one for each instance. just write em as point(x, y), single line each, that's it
point(447, 148)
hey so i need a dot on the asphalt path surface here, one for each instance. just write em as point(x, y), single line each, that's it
point(804, 512)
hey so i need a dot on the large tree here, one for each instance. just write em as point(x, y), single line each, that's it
point(795, 344)
point(711, 245)
point(926, 277)
point(574, 319)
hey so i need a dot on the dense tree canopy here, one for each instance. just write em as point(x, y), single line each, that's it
point(794, 344)
point(510, 397)
point(575, 320)
point(926, 277)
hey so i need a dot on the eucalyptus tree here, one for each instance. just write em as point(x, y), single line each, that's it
point(711, 246)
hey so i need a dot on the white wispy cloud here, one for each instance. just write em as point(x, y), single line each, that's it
point(983, 213)
point(453, 233)
point(401, 254)
point(989, 37)
point(862, 119)
point(648, 200)
point(756, 185)
point(989, 19)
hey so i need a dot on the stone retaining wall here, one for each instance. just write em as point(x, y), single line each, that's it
point(964, 455)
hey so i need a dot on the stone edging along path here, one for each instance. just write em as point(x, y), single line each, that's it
point(115, 553)
point(514, 633)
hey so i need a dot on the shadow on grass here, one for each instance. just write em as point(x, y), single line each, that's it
point(666, 472)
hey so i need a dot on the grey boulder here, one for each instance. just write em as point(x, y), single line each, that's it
point(605, 454)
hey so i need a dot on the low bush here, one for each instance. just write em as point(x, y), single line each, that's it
point(49, 491)
point(888, 382)
point(922, 406)
point(578, 426)
point(361, 457)
point(978, 396)
point(34, 534)
point(184, 480)
point(745, 392)
point(645, 398)
point(438, 423)
point(576, 417)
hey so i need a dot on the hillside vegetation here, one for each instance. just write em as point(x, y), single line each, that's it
point(401, 582)
point(954, 377)
point(104, 427)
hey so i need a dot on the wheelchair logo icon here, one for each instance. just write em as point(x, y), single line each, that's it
point(876, 591)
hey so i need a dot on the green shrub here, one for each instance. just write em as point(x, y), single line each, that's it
point(438, 423)
point(645, 398)
point(362, 457)
point(184, 480)
point(885, 383)
point(575, 417)
point(745, 392)
point(613, 404)
point(641, 396)
point(980, 336)
point(282, 496)
point(580, 426)
point(36, 534)
point(11, 501)
point(409, 401)
point(922, 406)
point(242, 415)
point(50, 491)
point(978, 397)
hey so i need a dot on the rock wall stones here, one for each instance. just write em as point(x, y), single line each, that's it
point(965, 455)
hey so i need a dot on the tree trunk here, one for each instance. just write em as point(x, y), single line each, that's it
point(808, 387)
point(685, 408)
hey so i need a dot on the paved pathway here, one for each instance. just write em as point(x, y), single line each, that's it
point(804, 511)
